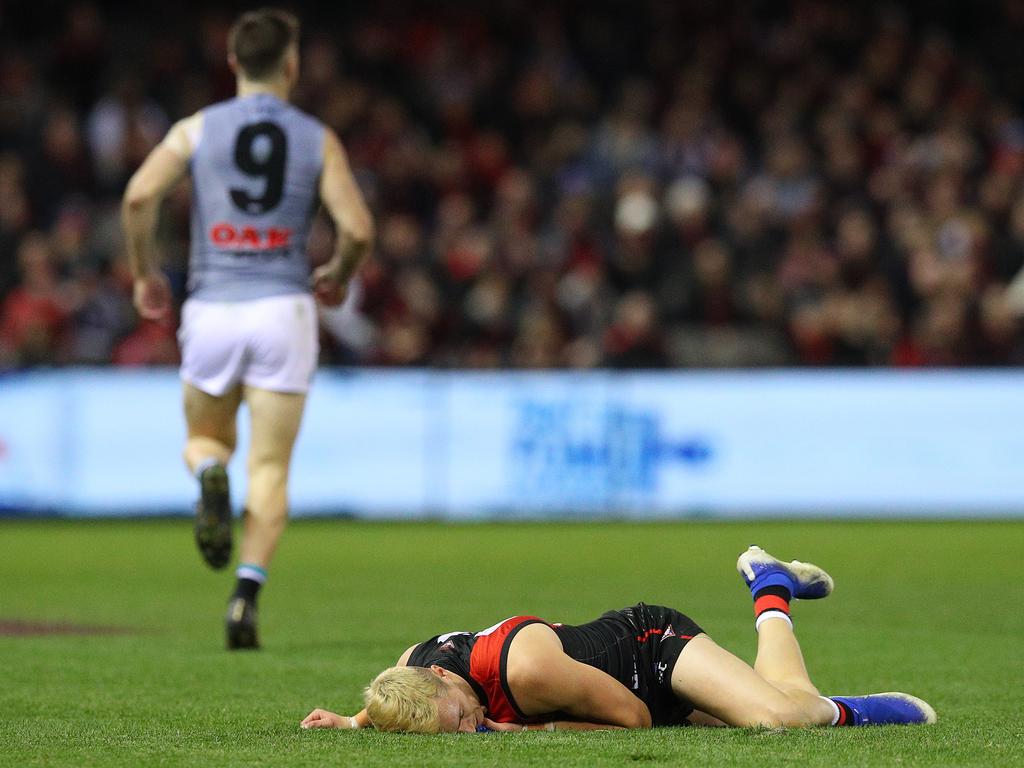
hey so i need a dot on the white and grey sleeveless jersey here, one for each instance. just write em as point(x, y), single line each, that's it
point(256, 173)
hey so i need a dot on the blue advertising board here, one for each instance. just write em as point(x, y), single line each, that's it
point(412, 444)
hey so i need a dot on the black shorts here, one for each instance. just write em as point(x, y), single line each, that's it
point(638, 646)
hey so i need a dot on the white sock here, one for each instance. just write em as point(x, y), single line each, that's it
point(772, 615)
point(251, 572)
point(835, 709)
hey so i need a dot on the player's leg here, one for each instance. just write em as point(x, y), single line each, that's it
point(211, 439)
point(777, 690)
point(718, 683)
point(282, 356)
point(275, 418)
point(779, 659)
point(773, 584)
point(211, 423)
point(212, 355)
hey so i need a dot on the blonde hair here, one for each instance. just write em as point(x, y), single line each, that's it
point(404, 699)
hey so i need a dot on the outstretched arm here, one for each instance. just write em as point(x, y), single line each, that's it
point(551, 725)
point(321, 718)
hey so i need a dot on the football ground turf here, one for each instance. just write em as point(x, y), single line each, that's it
point(932, 608)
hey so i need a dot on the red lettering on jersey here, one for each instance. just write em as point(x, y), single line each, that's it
point(278, 238)
point(222, 234)
point(250, 238)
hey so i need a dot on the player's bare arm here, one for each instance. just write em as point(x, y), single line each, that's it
point(353, 223)
point(545, 680)
point(165, 166)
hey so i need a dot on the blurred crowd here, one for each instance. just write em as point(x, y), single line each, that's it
point(628, 185)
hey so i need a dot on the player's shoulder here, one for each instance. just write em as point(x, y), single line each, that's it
point(190, 122)
point(439, 646)
point(184, 135)
point(299, 118)
point(305, 116)
point(220, 107)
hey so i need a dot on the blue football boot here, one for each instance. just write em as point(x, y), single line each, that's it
point(804, 581)
point(888, 709)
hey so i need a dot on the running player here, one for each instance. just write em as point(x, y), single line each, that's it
point(249, 326)
point(639, 667)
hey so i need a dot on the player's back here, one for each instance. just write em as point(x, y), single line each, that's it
point(255, 170)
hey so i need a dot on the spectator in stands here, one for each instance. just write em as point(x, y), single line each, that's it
point(659, 185)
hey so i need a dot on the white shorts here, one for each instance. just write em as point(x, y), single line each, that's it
point(269, 343)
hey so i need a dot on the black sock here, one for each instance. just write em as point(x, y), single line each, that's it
point(248, 589)
point(775, 589)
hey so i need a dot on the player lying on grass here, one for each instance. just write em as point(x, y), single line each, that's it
point(639, 667)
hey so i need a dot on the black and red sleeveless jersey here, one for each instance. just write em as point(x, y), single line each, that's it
point(481, 660)
point(638, 646)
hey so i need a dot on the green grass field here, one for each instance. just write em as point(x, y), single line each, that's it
point(936, 609)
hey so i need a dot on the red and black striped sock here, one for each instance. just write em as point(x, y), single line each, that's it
point(846, 716)
point(772, 602)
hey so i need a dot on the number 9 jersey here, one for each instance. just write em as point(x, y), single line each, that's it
point(256, 168)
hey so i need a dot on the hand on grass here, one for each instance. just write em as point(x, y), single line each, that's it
point(502, 726)
point(321, 718)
